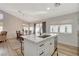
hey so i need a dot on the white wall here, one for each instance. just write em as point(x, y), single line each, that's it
point(1, 20)
point(69, 39)
point(1, 23)
point(11, 24)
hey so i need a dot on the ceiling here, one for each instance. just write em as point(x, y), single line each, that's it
point(32, 12)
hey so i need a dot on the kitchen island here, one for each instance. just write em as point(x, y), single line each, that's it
point(43, 45)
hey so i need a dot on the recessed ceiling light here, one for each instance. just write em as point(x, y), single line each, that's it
point(48, 8)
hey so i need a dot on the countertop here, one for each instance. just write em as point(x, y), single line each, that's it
point(37, 39)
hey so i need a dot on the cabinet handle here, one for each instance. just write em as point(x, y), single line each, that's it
point(50, 43)
point(41, 53)
point(41, 45)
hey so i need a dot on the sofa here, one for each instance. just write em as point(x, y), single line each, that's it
point(3, 36)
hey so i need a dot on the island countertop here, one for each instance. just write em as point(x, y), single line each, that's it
point(36, 39)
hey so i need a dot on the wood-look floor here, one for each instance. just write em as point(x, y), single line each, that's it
point(8, 49)
point(67, 50)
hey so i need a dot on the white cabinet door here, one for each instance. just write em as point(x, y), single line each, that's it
point(51, 46)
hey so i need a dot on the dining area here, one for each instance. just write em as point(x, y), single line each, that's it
point(3, 36)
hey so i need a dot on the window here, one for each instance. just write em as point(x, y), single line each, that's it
point(69, 28)
point(31, 29)
point(54, 28)
point(66, 28)
point(37, 29)
point(1, 28)
point(25, 28)
point(62, 28)
point(41, 28)
point(51, 28)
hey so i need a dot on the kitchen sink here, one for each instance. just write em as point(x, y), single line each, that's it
point(44, 36)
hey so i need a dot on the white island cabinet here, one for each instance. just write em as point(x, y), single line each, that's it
point(37, 46)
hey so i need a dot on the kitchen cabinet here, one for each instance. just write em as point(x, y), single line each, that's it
point(35, 46)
